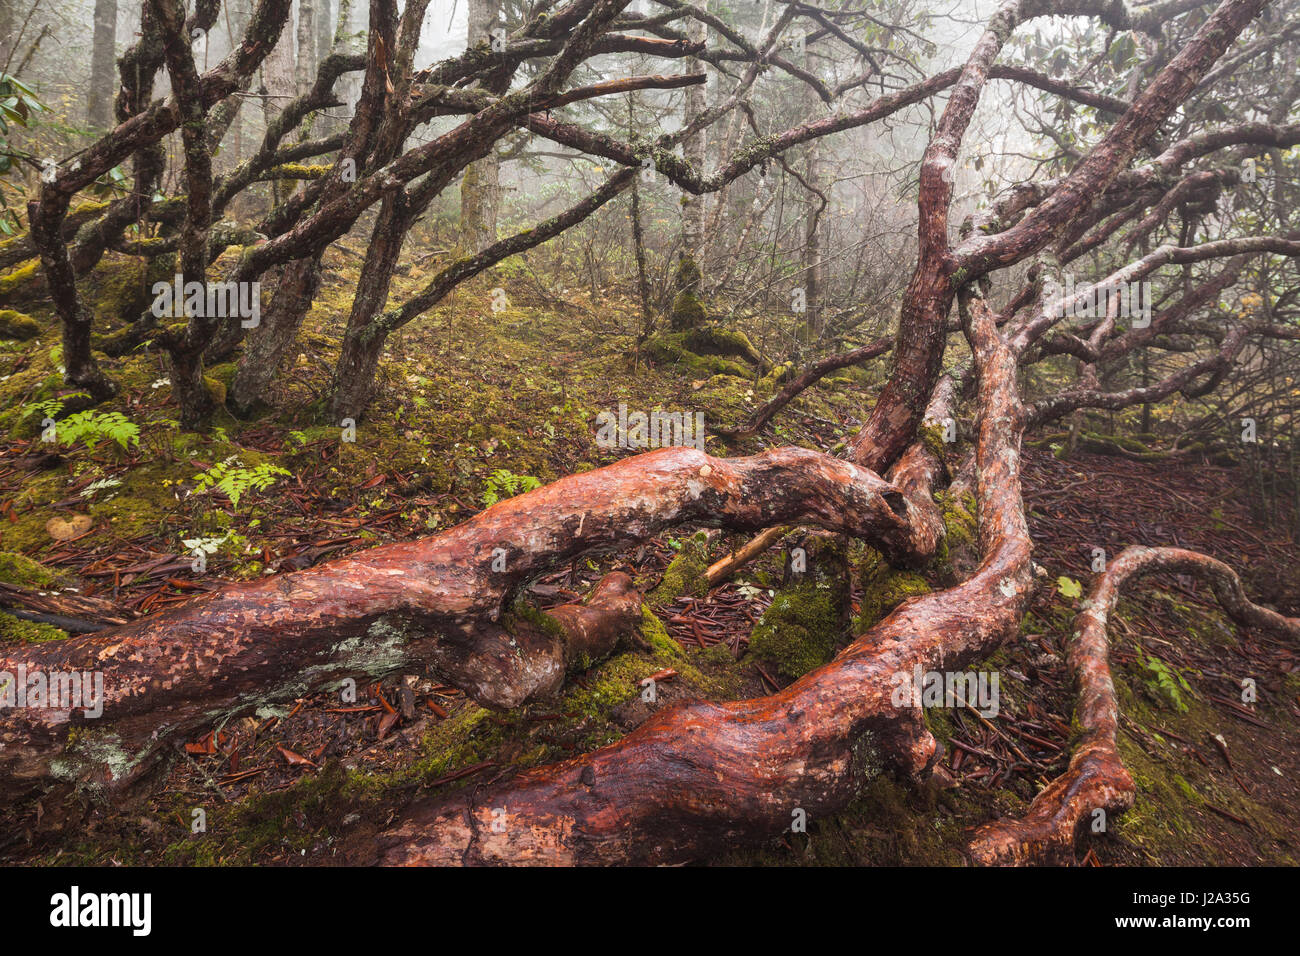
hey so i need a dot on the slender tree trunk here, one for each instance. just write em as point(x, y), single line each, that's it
point(103, 53)
point(480, 187)
point(324, 30)
point(812, 252)
point(638, 248)
point(362, 345)
point(304, 67)
point(280, 84)
point(693, 149)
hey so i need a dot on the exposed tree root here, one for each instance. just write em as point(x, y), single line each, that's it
point(698, 776)
point(436, 602)
point(1096, 778)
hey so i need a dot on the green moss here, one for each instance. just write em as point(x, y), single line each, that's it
point(688, 275)
point(884, 588)
point(684, 574)
point(654, 634)
point(804, 624)
point(15, 325)
point(688, 312)
point(779, 375)
point(670, 349)
point(23, 572)
point(14, 630)
point(300, 818)
point(959, 522)
point(932, 437)
point(713, 340)
point(298, 171)
point(12, 281)
point(123, 285)
point(216, 388)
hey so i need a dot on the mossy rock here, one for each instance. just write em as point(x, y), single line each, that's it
point(805, 622)
point(15, 325)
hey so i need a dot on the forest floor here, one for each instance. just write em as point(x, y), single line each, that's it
point(473, 399)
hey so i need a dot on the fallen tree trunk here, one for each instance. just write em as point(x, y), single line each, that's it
point(438, 601)
point(1096, 778)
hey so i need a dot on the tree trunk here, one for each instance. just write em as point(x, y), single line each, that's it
point(693, 149)
point(480, 187)
point(438, 601)
point(363, 343)
point(812, 250)
point(103, 54)
point(280, 83)
point(268, 347)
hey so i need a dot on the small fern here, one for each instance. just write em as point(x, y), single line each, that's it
point(232, 479)
point(506, 484)
point(92, 427)
point(1166, 682)
point(88, 427)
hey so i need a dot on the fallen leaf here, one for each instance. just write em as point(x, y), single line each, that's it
point(65, 529)
point(292, 758)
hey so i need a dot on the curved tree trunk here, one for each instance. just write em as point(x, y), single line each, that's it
point(438, 601)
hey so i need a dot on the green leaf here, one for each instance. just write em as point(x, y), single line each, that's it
point(1068, 587)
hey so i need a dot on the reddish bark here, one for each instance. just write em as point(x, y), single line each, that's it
point(1096, 778)
point(434, 601)
point(698, 776)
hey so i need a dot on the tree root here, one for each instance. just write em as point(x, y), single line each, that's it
point(698, 776)
point(434, 602)
point(1096, 779)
